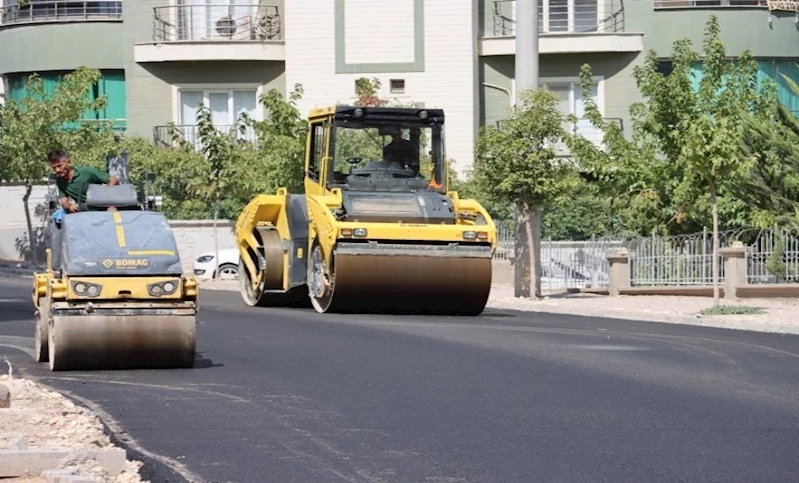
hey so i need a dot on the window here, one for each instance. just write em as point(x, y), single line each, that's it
point(226, 106)
point(318, 148)
point(570, 101)
point(397, 86)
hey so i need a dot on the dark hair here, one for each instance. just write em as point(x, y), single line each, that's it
point(57, 155)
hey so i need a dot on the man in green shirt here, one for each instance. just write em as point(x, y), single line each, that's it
point(74, 181)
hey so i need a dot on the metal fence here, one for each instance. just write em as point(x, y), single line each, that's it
point(217, 22)
point(773, 257)
point(664, 4)
point(560, 16)
point(14, 12)
point(565, 263)
point(674, 260)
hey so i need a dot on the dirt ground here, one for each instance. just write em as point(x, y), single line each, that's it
point(46, 419)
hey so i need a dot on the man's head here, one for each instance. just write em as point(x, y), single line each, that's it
point(60, 162)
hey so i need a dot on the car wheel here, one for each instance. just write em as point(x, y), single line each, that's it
point(228, 271)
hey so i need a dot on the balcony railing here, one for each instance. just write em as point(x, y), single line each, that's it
point(560, 16)
point(665, 4)
point(228, 22)
point(189, 133)
point(47, 11)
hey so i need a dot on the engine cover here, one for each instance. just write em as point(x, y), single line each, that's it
point(394, 207)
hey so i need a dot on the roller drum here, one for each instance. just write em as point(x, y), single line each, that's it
point(121, 341)
point(408, 284)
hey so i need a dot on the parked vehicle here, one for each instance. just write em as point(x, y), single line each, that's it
point(205, 267)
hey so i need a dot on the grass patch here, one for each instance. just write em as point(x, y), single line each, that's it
point(732, 310)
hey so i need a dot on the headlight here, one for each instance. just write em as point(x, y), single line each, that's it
point(86, 289)
point(162, 288)
point(469, 235)
point(359, 232)
point(205, 258)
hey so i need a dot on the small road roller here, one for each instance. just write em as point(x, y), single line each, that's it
point(377, 229)
point(113, 295)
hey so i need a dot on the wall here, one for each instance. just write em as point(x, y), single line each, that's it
point(149, 86)
point(620, 90)
point(61, 46)
point(327, 58)
point(193, 237)
point(741, 28)
point(617, 69)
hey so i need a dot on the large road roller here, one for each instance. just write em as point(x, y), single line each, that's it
point(113, 295)
point(377, 229)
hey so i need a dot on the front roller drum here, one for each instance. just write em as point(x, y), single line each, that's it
point(41, 324)
point(85, 342)
point(405, 284)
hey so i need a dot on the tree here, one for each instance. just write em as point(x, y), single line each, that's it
point(685, 151)
point(519, 162)
point(39, 123)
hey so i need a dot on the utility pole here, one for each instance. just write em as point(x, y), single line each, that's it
point(527, 256)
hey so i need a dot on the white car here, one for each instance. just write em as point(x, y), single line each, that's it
point(228, 267)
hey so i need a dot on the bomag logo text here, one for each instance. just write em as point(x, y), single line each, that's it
point(126, 263)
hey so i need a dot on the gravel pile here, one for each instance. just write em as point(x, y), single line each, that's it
point(46, 419)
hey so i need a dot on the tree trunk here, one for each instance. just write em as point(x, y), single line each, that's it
point(715, 242)
point(32, 245)
point(527, 250)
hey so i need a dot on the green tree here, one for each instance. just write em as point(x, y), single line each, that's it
point(39, 123)
point(520, 164)
point(685, 151)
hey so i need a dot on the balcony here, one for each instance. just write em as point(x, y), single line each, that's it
point(767, 28)
point(189, 133)
point(212, 32)
point(14, 12)
point(564, 26)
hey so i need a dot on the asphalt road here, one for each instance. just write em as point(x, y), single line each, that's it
point(290, 395)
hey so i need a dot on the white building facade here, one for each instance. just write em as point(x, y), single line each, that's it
point(422, 51)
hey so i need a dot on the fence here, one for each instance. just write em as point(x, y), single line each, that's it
point(565, 264)
point(217, 22)
point(587, 16)
point(772, 256)
point(14, 12)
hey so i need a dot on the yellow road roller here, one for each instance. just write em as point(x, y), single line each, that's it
point(113, 295)
point(377, 229)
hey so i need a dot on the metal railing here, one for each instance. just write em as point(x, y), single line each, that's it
point(217, 22)
point(46, 11)
point(163, 136)
point(665, 4)
point(560, 16)
point(773, 257)
point(565, 264)
point(676, 260)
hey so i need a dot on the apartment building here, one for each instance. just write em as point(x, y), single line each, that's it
point(161, 58)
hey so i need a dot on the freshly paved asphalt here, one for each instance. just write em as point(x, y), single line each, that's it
point(290, 395)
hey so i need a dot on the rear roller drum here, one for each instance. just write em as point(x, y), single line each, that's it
point(121, 342)
point(41, 321)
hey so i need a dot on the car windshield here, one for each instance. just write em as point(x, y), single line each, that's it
point(387, 157)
